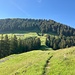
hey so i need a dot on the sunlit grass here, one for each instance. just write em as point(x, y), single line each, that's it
point(63, 62)
point(33, 63)
point(30, 63)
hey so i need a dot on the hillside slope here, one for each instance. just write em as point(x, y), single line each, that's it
point(60, 62)
point(36, 25)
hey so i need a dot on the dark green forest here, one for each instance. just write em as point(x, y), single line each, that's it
point(65, 35)
point(38, 25)
point(60, 42)
point(15, 45)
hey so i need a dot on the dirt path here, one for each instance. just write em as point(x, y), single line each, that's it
point(47, 65)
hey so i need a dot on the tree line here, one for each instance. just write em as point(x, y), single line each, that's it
point(14, 45)
point(60, 42)
point(37, 25)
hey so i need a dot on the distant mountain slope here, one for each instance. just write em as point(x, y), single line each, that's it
point(37, 25)
point(60, 62)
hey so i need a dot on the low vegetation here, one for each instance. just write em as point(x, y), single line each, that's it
point(30, 63)
point(60, 62)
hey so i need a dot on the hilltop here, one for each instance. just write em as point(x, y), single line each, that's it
point(35, 25)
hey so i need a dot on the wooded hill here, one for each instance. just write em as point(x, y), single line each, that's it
point(38, 25)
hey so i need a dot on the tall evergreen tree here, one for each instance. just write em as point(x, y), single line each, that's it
point(14, 45)
point(6, 45)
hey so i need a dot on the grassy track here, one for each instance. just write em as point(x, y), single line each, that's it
point(30, 63)
point(62, 62)
point(38, 62)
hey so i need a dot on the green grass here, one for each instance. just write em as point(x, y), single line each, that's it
point(21, 35)
point(37, 62)
point(33, 63)
point(30, 63)
point(63, 62)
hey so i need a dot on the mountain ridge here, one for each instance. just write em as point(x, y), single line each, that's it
point(36, 25)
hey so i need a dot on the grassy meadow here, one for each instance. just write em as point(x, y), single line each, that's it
point(44, 61)
point(38, 63)
point(21, 35)
point(62, 62)
point(30, 63)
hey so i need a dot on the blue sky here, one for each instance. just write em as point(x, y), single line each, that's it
point(62, 11)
